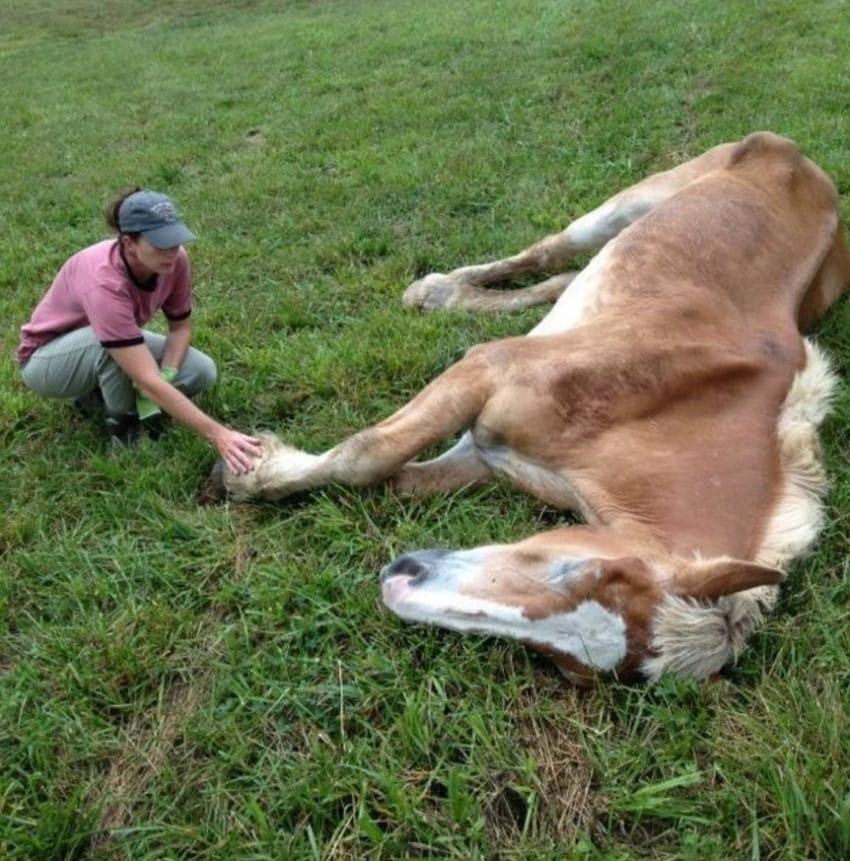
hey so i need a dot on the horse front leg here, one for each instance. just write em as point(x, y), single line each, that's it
point(447, 405)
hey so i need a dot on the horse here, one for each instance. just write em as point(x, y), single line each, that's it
point(669, 398)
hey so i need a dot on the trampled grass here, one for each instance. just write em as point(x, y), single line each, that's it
point(221, 682)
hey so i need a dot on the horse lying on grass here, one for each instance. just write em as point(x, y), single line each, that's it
point(668, 397)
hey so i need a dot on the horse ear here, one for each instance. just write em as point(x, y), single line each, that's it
point(707, 581)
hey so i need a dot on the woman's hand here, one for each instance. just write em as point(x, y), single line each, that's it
point(237, 450)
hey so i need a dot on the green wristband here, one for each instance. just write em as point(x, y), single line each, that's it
point(168, 374)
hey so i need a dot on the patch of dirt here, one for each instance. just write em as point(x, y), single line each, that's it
point(149, 741)
point(566, 805)
point(255, 137)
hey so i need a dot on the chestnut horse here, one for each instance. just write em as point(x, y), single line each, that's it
point(668, 397)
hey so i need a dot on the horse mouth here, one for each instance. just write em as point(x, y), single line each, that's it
point(396, 589)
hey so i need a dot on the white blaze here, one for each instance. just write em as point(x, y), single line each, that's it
point(590, 633)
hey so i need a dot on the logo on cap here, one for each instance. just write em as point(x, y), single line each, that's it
point(165, 210)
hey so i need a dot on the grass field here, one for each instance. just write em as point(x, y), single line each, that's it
point(180, 681)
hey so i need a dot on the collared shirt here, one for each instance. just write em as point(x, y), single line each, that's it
point(96, 288)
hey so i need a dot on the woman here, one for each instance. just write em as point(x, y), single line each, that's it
point(86, 333)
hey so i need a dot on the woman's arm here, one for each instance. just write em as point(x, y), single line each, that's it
point(176, 343)
point(237, 450)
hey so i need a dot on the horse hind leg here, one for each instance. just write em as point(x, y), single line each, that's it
point(458, 467)
point(465, 288)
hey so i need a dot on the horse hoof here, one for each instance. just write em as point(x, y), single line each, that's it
point(432, 292)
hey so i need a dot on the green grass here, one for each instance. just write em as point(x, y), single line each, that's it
point(187, 682)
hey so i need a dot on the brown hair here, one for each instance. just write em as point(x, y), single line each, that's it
point(111, 212)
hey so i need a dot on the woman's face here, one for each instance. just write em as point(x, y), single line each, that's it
point(156, 260)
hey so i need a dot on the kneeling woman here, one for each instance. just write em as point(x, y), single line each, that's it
point(86, 333)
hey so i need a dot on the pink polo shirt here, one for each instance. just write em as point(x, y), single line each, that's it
point(94, 288)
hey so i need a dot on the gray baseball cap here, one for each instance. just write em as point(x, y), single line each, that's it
point(154, 216)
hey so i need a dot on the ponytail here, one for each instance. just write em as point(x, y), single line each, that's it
point(114, 206)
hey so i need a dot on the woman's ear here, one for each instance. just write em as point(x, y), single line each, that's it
point(709, 580)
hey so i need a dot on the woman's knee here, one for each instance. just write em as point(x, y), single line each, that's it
point(209, 373)
point(198, 372)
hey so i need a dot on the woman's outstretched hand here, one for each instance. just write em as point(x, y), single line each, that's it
point(237, 450)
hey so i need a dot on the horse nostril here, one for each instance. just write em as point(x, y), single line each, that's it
point(409, 566)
